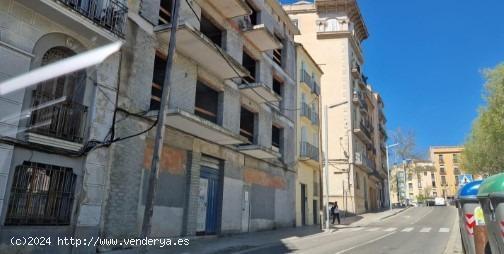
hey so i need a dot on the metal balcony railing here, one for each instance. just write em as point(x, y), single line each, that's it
point(66, 120)
point(310, 151)
point(306, 110)
point(314, 117)
point(109, 14)
point(368, 163)
point(364, 126)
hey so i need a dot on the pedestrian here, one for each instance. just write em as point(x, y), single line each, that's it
point(335, 213)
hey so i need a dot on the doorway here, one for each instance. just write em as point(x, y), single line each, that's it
point(208, 216)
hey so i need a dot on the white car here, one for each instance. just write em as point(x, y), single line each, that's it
point(439, 202)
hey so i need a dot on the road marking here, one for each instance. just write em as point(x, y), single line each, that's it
point(421, 217)
point(389, 229)
point(425, 230)
point(444, 230)
point(372, 229)
point(407, 229)
point(365, 243)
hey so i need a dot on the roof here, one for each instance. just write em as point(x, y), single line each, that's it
point(277, 8)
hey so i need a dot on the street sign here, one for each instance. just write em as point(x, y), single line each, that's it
point(465, 179)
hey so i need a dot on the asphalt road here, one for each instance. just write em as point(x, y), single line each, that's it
point(416, 230)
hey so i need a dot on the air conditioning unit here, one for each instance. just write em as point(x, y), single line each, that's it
point(358, 158)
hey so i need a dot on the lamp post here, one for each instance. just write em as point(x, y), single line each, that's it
point(326, 160)
point(388, 172)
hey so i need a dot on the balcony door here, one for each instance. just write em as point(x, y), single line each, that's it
point(56, 104)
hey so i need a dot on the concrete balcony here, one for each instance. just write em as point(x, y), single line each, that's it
point(309, 153)
point(101, 19)
point(259, 152)
point(356, 71)
point(261, 37)
point(195, 45)
point(202, 128)
point(259, 92)
point(363, 133)
point(362, 161)
point(229, 8)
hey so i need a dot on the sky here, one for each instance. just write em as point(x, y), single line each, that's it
point(425, 57)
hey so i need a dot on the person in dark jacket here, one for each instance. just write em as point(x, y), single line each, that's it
point(335, 213)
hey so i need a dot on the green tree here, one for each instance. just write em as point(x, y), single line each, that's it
point(484, 148)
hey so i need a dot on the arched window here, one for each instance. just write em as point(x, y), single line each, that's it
point(58, 110)
point(71, 85)
point(333, 25)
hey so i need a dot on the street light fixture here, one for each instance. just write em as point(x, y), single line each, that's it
point(326, 160)
point(388, 172)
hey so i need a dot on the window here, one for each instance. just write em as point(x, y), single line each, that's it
point(419, 183)
point(357, 185)
point(434, 194)
point(165, 12)
point(206, 104)
point(157, 81)
point(434, 184)
point(250, 64)
point(247, 124)
point(442, 171)
point(277, 86)
point(456, 180)
point(295, 22)
point(441, 160)
point(410, 186)
point(276, 134)
point(277, 53)
point(304, 134)
point(210, 30)
point(255, 15)
point(41, 195)
point(443, 180)
point(456, 171)
point(332, 25)
point(425, 173)
point(455, 158)
point(66, 119)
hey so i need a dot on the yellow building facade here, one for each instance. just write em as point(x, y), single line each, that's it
point(448, 163)
point(308, 134)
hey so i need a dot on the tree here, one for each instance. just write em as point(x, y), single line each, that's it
point(484, 148)
point(405, 143)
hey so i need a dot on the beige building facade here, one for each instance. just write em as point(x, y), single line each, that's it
point(332, 32)
point(448, 163)
point(308, 134)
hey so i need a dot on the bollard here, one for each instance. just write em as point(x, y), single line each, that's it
point(467, 203)
point(491, 198)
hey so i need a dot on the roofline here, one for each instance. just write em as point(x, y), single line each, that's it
point(300, 45)
point(277, 8)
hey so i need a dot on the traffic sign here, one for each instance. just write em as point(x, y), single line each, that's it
point(465, 179)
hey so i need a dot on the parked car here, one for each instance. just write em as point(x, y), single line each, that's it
point(439, 202)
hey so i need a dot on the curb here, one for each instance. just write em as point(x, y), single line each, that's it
point(396, 213)
point(452, 246)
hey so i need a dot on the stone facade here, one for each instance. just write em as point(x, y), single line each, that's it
point(249, 183)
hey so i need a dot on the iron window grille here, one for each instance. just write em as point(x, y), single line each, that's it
point(41, 194)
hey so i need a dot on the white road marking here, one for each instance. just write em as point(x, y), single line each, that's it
point(365, 243)
point(425, 230)
point(444, 230)
point(372, 229)
point(407, 229)
point(389, 229)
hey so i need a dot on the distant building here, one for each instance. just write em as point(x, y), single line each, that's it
point(413, 181)
point(448, 164)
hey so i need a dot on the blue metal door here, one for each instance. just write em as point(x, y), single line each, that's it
point(213, 202)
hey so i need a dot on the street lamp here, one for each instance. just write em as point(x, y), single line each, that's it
point(388, 172)
point(326, 160)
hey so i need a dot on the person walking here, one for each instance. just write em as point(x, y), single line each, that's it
point(335, 213)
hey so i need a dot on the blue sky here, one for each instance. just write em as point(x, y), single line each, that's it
point(425, 57)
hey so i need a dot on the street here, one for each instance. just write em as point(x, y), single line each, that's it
point(417, 230)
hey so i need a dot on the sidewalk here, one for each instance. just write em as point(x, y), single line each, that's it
point(247, 241)
point(367, 218)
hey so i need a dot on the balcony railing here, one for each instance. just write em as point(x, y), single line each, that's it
point(365, 127)
point(310, 151)
point(65, 120)
point(109, 14)
point(314, 117)
point(316, 88)
point(306, 78)
point(306, 110)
